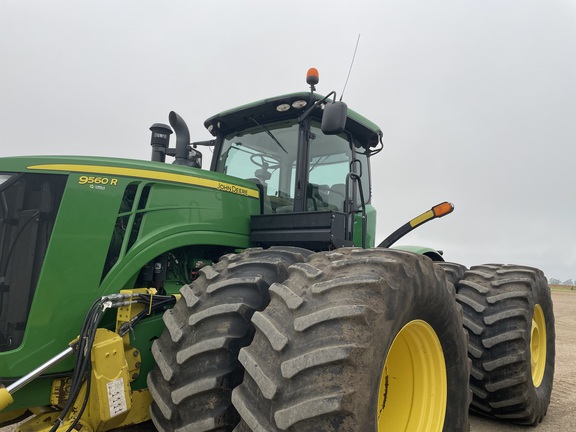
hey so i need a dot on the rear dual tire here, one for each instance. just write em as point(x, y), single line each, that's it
point(509, 317)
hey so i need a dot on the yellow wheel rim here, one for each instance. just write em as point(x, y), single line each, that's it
point(413, 389)
point(538, 345)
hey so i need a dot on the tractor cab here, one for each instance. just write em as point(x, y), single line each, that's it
point(309, 157)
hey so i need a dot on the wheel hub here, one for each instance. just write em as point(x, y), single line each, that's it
point(413, 385)
point(538, 345)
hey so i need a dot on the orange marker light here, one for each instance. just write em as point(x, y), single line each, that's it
point(312, 76)
point(435, 212)
point(443, 209)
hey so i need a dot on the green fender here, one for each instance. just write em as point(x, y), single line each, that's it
point(433, 254)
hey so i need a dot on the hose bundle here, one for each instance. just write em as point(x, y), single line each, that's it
point(83, 345)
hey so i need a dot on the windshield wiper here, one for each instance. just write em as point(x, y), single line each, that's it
point(269, 134)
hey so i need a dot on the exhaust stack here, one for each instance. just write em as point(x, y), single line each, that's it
point(182, 141)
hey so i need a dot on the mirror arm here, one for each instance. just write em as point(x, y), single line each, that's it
point(321, 101)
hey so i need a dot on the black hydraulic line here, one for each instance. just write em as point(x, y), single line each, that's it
point(158, 302)
point(83, 347)
point(83, 361)
point(84, 404)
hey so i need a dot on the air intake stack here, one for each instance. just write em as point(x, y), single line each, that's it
point(160, 141)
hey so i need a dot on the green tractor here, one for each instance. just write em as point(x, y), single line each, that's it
point(253, 296)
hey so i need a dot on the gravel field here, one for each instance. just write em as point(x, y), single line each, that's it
point(562, 411)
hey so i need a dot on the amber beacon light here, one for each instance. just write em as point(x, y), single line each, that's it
point(312, 77)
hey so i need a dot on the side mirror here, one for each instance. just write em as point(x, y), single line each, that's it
point(334, 118)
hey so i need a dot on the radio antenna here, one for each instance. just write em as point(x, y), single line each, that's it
point(351, 64)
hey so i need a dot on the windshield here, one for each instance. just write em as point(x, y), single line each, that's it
point(267, 155)
point(268, 160)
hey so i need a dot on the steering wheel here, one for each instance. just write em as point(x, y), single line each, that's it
point(265, 161)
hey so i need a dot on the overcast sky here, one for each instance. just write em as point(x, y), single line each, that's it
point(476, 98)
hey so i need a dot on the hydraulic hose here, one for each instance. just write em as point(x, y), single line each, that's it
point(83, 348)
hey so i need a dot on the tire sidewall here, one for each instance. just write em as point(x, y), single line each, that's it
point(541, 394)
point(434, 304)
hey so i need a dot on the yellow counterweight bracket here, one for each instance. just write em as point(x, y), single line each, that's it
point(110, 400)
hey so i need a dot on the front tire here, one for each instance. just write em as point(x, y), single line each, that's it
point(357, 340)
point(508, 314)
point(196, 355)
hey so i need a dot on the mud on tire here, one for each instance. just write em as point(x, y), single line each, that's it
point(327, 354)
point(196, 356)
point(508, 314)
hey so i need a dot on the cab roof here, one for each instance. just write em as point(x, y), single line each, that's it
point(265, 111)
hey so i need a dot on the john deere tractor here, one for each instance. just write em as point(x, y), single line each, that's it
point(253, 296)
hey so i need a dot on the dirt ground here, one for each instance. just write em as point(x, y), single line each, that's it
point(561, 415)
